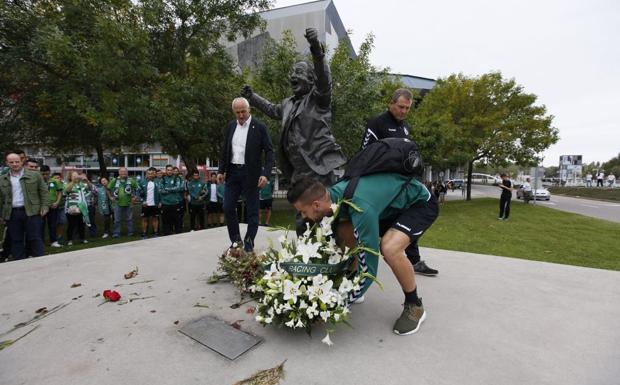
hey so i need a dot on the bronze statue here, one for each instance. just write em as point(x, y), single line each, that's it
point(307, 146)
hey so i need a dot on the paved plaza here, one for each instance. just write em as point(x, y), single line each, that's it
point(491, 320)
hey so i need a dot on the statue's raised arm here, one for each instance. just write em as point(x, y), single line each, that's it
point(323, 81)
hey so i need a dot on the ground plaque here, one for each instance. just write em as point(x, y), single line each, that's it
point(219, 336)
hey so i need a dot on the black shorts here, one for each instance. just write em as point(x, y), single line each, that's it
point(214, 208)
point(149, 211)
point(414, 221)
point(266, 204)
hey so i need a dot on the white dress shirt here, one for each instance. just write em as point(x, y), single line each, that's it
point(16, 190)
point(238, 142)
point(150, 193)
point(213, 192)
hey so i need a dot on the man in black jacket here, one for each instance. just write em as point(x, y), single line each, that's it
point(392, 124)
point(246, 141)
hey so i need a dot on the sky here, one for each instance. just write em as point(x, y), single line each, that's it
point(565, 51)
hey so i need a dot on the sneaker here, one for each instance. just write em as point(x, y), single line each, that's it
point(410, 320)
point(500, 218)
point(70, 243)
point(359, 300)
point(56, 244)
point(421, 268)
point(105, 235)
point(84, 241)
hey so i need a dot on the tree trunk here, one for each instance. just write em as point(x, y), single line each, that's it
point(190, 165)
point(470, 171)
point(103, 169)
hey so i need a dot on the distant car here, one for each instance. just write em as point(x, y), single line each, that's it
point(540, 194)
point(456, 183)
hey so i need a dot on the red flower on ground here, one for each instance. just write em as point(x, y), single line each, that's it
point(111, 295)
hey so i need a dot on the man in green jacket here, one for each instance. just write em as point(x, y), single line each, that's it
point(197, 192)
point(392, 206)
point(172, 188)
point(124, 192)
point(23, 203)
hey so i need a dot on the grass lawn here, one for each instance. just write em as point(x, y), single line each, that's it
point(610, 194)
point(533, 232)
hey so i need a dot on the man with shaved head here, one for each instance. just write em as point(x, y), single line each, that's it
point(23, 202)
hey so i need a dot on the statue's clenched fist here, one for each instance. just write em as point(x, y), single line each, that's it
point(246, 92)
point(312, 35)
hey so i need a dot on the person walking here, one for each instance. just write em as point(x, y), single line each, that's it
point(505, 198)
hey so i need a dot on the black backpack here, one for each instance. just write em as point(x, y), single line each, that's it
point(389, 155)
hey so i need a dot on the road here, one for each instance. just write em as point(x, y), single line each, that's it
point(609, 211)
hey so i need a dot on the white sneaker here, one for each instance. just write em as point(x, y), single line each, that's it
point(359, 300)
point(70, 243)
point(85, 241)
point(56, 244)
point(104, 236)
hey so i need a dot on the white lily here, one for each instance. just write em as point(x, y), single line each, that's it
point(325, 315)
point(345, 286)
point(327, 340)
point(291, 290)
point(300, 324)
point(307, 251)
point(273, 273)
point(290, 324)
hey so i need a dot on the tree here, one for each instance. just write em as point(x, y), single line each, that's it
point(360, 91)
point(76, 72)
point(196, 82)
point(612, 166)
point(471, 118)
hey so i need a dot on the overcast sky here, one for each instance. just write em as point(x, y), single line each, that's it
point(565, 51)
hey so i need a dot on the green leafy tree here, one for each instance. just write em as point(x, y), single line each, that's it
point(360, 91)
point(76, 74)
point(484, 117)
point(612, 166)
point(196, 82)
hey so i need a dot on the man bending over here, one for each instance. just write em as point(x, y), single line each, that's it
point(399, 211)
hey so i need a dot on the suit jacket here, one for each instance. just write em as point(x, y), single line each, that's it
point(258, 143)
point(309, 123)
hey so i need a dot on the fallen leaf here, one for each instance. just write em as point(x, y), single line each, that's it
point(250, 310)
point(132, 273)
point(42, 310)
point(176, 322)
point(153, 311)
point(201, 305)
point(265, 377)
point(96, 295)
point(237, 324)
point(76, 285)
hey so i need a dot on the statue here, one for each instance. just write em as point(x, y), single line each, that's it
point(307, 146)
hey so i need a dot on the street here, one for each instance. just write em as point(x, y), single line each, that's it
point(597, 209)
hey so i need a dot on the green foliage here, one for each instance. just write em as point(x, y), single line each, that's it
point(612, 166)
point(465, 119)
point(360, 91)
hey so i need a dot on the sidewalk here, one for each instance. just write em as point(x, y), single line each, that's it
point(491, 320)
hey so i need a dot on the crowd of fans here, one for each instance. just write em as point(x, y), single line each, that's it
point(77, 209)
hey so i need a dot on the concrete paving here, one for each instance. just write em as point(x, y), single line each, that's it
point(491, 320)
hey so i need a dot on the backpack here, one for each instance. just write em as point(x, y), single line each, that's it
point(389, 155)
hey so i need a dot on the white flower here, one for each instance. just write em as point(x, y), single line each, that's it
point(302, 304)
point(259, 318)
point(334, 207)
point(334, 259)
point(300, 324)
point(268, 320)
point(336, 317)
point(326, 225)
point(273, 273)
point(290, 324)
point(282, 240)
point(322, 292)
point(307, 251)
point(325, 315)
point(312, 310)
point(327, 340)
point(345, 286)
point(291, 290)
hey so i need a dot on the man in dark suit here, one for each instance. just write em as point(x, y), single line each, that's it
point(246, 141)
